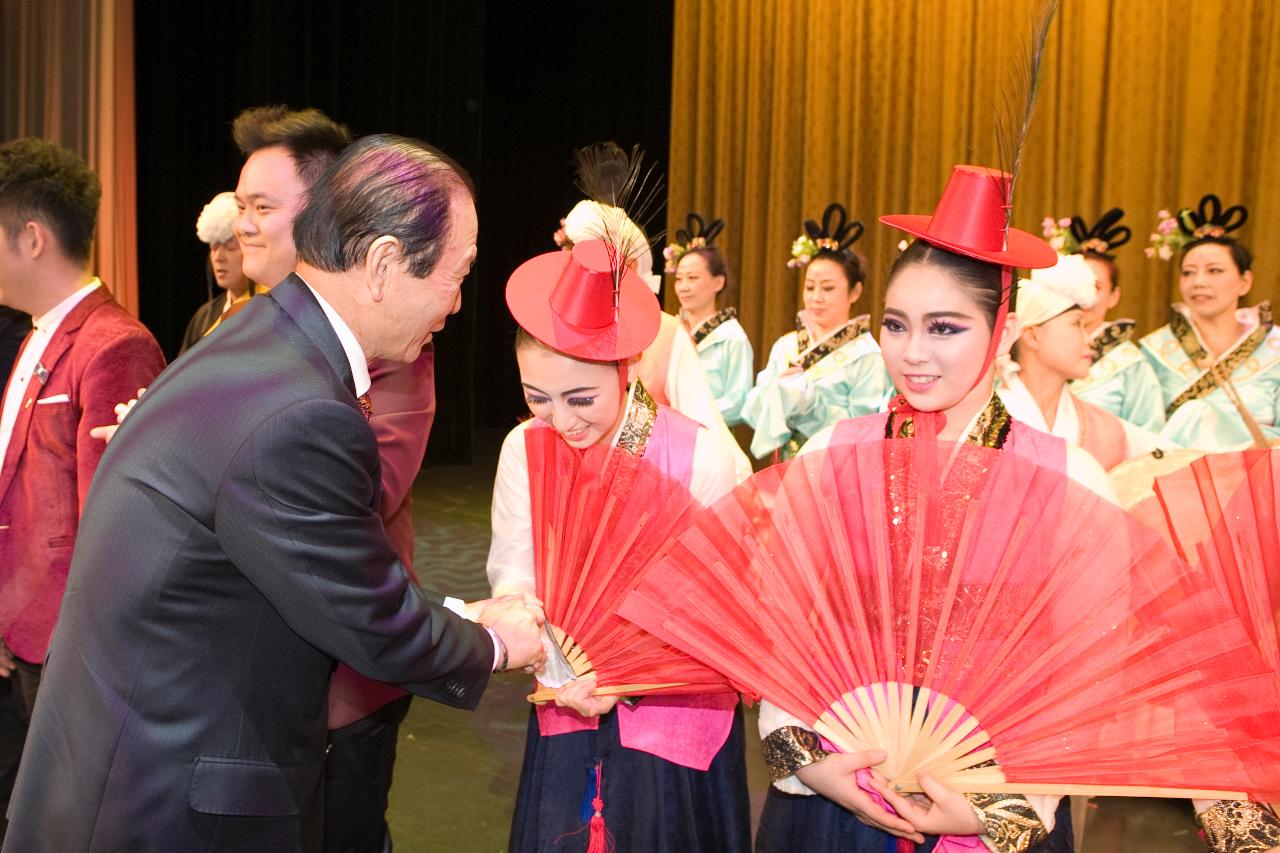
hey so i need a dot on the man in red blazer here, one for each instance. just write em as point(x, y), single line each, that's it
point(84, 354)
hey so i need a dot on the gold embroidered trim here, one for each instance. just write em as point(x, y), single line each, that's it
point(1180, 326)
point(809, 357)
point(990, 430)
point(633, 437)
point(1239, 827)
point(789, 748)
point(1112, 336)
point(1182, 330)
point(712, 323)
point(992, 427)
point(1012, 826)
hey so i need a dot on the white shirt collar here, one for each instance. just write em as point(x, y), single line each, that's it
point(355, 355)
point(47, 323)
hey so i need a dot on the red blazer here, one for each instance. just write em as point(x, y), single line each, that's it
point(404, 405)
point(99, 356)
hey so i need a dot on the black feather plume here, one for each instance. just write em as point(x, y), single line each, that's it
point(609, 175)
point(1014, 121)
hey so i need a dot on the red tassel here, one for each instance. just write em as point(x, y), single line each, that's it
point(598, 834)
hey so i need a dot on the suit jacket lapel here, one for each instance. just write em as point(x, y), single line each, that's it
point(297, 300)
point(58, 346)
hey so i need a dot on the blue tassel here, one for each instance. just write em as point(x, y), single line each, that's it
point(586, 810)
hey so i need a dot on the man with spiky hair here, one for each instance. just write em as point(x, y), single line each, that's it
point(232, 549)
point(84, 353)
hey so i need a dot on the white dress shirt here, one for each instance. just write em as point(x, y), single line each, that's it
point(360, 377)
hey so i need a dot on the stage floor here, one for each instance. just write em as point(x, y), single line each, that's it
point(457, 771)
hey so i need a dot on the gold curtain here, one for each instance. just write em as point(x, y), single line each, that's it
point(68, 77)
point(782, 106)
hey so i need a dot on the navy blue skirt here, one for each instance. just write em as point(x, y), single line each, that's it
point(813, 824)
point(650, 804)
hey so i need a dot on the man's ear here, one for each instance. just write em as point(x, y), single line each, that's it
point(34, 239)
point(380, 263)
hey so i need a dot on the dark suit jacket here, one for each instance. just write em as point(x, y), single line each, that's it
point(404, 405)
point(230, 550)
point(99, 356)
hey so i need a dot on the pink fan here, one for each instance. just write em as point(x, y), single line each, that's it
point(976, 616)
point(598, 517)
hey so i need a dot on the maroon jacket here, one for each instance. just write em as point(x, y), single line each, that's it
point(404, 405)
point(99, 356)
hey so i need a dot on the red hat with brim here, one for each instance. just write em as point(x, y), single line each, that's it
point(971, 220)
point(568, 301)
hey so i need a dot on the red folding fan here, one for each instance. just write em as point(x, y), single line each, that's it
point(976, 616)
point(1220, 513)
point(598, 518)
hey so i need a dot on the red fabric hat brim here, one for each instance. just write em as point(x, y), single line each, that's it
point(529, 300)
point(1025, 250)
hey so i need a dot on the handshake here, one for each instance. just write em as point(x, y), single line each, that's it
point(516, 621)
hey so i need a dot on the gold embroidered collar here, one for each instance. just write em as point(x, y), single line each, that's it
point(990, 430)
point(712, 323)
point(642, 411)
point(1111, 336)
point(1186, 335)
point(811, 354)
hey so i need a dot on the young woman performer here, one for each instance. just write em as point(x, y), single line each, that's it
point(667, 772)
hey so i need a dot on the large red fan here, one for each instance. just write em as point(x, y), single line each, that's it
point(1220, 513)
point(599, 517)
point(976, 616)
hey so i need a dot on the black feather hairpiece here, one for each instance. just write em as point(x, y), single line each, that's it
point(1209, 219)
point(835, 235)
point(697, 234)
point(1103, 237)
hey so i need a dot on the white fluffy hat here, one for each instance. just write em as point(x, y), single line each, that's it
point(1070, 283)
point(593, 220)
point(214, 224)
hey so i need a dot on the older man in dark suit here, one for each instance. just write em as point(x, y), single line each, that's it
point(232, 549)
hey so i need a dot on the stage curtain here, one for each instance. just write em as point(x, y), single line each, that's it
point(68, 77)
point(782, 106)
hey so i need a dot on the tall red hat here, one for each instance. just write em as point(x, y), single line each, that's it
point(568, 301)
point(971, 219)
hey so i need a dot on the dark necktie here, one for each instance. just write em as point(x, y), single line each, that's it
point(366, 405)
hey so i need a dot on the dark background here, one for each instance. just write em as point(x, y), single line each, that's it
point(509, 89)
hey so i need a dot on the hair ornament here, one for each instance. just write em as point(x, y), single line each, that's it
point(1074, 236)
point(697, 234)
point(1208, 221)
point(835, 236)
